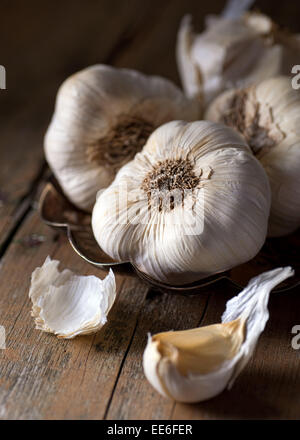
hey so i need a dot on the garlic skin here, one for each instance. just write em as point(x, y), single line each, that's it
point(232, 52)
point(194, 202)
point(67, 304)
point(198, 364)
point(267, 114)
point(103, 116)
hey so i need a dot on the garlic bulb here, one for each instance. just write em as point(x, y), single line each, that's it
point(233, 52)
point(268, 116)
point(103, 116)
point(196, 365)
point(194, 202)
point(69, 305)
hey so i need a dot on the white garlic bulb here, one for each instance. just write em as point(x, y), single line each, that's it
point(103, 116)
point(267, 114)
point(67, 304)
point(233, 52)
point(194, 202)
point(196, 365)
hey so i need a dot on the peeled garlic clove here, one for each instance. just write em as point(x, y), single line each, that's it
point(194, 202)
point(196, 365)
point(233, 52)
point(267, 114)
point(103, 116)
point(67, 304)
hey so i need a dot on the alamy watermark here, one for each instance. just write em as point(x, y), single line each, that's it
point(296, 79)
point(2, 337)
point(2, 78)
point(296, 339)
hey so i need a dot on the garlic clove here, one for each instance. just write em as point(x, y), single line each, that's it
point(103, 117)
point(67, 304)
point(201, 350)
point(267, 114)
point(196, 365)
point(219, 214)
point(232, 52)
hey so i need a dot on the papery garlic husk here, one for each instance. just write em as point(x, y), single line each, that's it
point(233, 52)
point(267, 114)
point(198, 364)
point(67, 304)
point(194, 202)
point(103, 116)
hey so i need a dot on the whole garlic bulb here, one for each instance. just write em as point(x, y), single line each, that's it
point(194, 202)
point(233, 52)
point(197, 364)
point(268, 116)
point(103, 116)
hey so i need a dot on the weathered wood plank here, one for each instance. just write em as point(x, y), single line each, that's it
point(18, 172)
point(54, 378)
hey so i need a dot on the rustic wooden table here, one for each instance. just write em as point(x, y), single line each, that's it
point(100, 376)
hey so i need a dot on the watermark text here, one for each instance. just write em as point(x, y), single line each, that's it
point(2, 78)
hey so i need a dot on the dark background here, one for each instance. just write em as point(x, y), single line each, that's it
point(43, 42)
